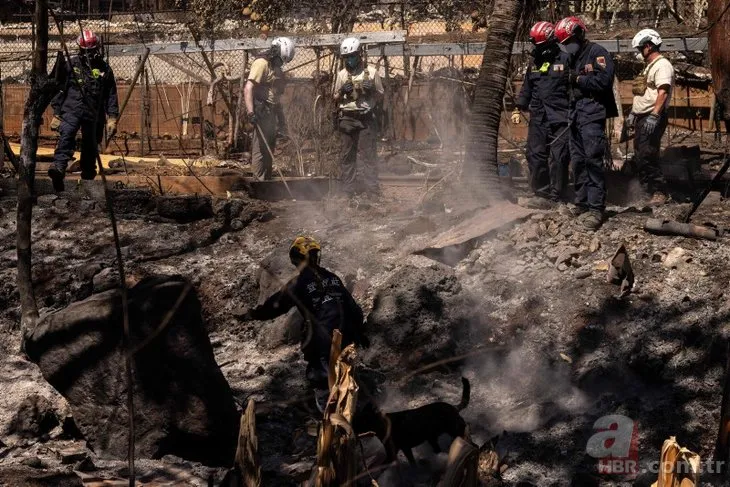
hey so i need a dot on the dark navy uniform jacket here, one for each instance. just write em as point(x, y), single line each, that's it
point(545, 90)
point(593, 96)
point(98, 84)
point(324, 302)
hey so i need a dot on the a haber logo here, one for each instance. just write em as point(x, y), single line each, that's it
point(615, 445)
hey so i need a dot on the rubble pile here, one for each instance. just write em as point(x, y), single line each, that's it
point(527, 315)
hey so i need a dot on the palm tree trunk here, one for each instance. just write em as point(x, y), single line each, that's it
point(41, 91)
point(480, 167)
point(719, 20)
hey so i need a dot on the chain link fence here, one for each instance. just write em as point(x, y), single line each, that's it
point(174, 106)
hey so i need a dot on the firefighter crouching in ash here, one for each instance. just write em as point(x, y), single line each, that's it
point(88, 97)
point(326, 305)
point(652, 90)
point(261, 94)
point(357, 92)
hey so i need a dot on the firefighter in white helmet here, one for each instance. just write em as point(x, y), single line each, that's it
point(358, 91)
point(652, 90)
point(261, 93)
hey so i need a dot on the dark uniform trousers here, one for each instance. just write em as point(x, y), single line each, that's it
point(545, 94)
point(587, 150)
point(548, 156)
point(359, 162)
point(646, 154)
point(91, 134)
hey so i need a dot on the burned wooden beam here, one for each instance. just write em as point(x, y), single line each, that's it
point(246, 471)
point(669, 227)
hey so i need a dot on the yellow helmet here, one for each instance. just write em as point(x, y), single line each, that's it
point(304, 249)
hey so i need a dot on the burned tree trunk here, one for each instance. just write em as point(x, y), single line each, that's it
point(481, 149)
point(42, 89)
point(2, 128)
point(719, 22)
point(722, 445)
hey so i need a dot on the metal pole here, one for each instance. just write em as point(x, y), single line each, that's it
point(128, 95)
point(142, 118)
point(239, 101)
point(271, 154)
point(201, 121)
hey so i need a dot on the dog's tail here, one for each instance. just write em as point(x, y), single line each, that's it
point(465, 394)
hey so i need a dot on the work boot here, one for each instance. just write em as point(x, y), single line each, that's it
point(575, 210)
point(56, 176)
point(88, 175)
point(537, 203)
point(658, 199)
point(593, 220)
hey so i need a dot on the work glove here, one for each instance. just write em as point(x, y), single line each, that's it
point(111, 125)
point(347, 88)
point(368, 85)
point(55, 123)
point(516, 116)
point(630, 120)
point(573, 78)
point(650, 124)
point(252, 119)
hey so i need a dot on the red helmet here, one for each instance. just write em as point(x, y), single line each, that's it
point(87, 40)
point(541, 32)
point(569, 27)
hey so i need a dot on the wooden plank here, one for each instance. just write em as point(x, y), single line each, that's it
point(105, 158)
point(319, 40)
point(481, 223)
point(477, 48)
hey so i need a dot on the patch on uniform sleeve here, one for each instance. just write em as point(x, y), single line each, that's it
point(601, 61)
point(588, 68)
point(558, 67)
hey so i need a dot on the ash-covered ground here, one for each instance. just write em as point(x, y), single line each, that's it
point(546, 342)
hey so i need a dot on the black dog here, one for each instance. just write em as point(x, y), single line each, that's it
point(403, 430)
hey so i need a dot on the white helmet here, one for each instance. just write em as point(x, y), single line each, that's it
point(286, 48)
point(351, 45)
point(644, 36)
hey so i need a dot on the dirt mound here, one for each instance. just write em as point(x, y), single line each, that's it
point(418, 315)
point(184, 208)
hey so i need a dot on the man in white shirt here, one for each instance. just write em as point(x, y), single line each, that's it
point(648, 119)
point(358, 90)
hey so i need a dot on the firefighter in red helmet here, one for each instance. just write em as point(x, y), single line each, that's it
point(87, 100)
point(545, 95)
point(591, 103)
